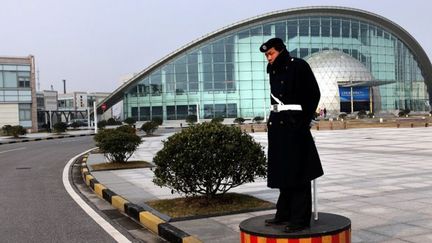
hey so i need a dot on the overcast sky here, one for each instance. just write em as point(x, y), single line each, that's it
point(93, 43)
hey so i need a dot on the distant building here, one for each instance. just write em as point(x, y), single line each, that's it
point(18, 92)
point(47, 101)
point(68, 106)
point(362, 62)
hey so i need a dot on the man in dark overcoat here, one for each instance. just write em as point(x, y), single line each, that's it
point(293, 159)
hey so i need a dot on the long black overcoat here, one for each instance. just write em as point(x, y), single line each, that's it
point(292, 156)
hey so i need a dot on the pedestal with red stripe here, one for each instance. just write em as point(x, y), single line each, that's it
point(329, 228)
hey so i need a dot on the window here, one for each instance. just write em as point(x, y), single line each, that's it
point(304, 27)
point(325, 27)
point(144, 113)
point(134, 112)
point(10, 79)
point(346, 29)
point(25, 112)
point(315, 27)
point(157, 111)
point(292, 29)
point(336, 25)
point(24, 79)
point(280, 30)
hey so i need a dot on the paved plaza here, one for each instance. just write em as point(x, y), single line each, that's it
point(380, 178)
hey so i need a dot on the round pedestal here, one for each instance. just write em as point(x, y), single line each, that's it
point(329, 228)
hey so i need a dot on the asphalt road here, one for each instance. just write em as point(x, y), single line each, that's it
point(34, 205)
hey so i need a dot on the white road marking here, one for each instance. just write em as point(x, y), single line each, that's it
point(93, 214)
point(10, 150)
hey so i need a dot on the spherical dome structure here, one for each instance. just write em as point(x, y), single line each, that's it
point(333, 68)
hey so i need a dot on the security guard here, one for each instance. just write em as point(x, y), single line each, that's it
point(293, 160)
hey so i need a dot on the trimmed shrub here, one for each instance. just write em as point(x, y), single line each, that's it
point(404, 112)
point(112, 122)
point(75, 125)
point(218, 119)
point(14, 131)
point(370, 114)
point(191, 119)
point(149, 127)
point(158, 120)
point(342, 115)
point(118, 144)
point(208, 159)
point(60, 127)
point(126, 128)
point(102, 124)
point(130, 121)
point(239, 120)
point(7, 130)
point(258, 119)
point(361, 114)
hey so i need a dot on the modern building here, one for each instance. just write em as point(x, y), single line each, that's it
point(18, 92)
point(362, 61)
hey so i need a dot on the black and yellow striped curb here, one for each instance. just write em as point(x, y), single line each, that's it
point(45, 138)
point(148, 219)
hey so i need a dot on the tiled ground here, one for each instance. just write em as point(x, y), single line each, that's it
point(379, 178)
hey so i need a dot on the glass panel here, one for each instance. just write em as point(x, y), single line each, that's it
point(336, 26)
point(315, 27)
point(171, 114)
point(156, 111)
point(1, 79)
point(182, 112)
point(304, 27)
point(134, 113)
point(144, 113)
point(325, 27)
point(10, 79)
point(208, 111)
point(280, 30)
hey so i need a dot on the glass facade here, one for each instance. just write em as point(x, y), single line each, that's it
point(225, 76)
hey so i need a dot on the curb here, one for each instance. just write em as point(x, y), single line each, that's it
point(46, 138)
point(146, 218)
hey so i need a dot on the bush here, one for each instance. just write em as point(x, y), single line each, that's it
point(14, 131)
point(370, 114)
point(118, 145)
point(361, 114)
point(239, 120)
point(149, 127)
point(158, 120)
point(75, 125)
point(7, 130)
point(130, 121)
point(60, 127)
point(191, 119)
point(126, 128)
point(207, 159)
point(112, 122)
point(342, 115)
point(404, 112)
point(218, 119)
point(102, 124)
point(258, 119)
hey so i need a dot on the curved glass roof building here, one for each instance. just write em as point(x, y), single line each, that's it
point(361, 61)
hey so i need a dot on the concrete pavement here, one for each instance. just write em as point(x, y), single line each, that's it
point(379, 177)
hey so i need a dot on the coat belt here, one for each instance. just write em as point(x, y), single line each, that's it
point(278, 107)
